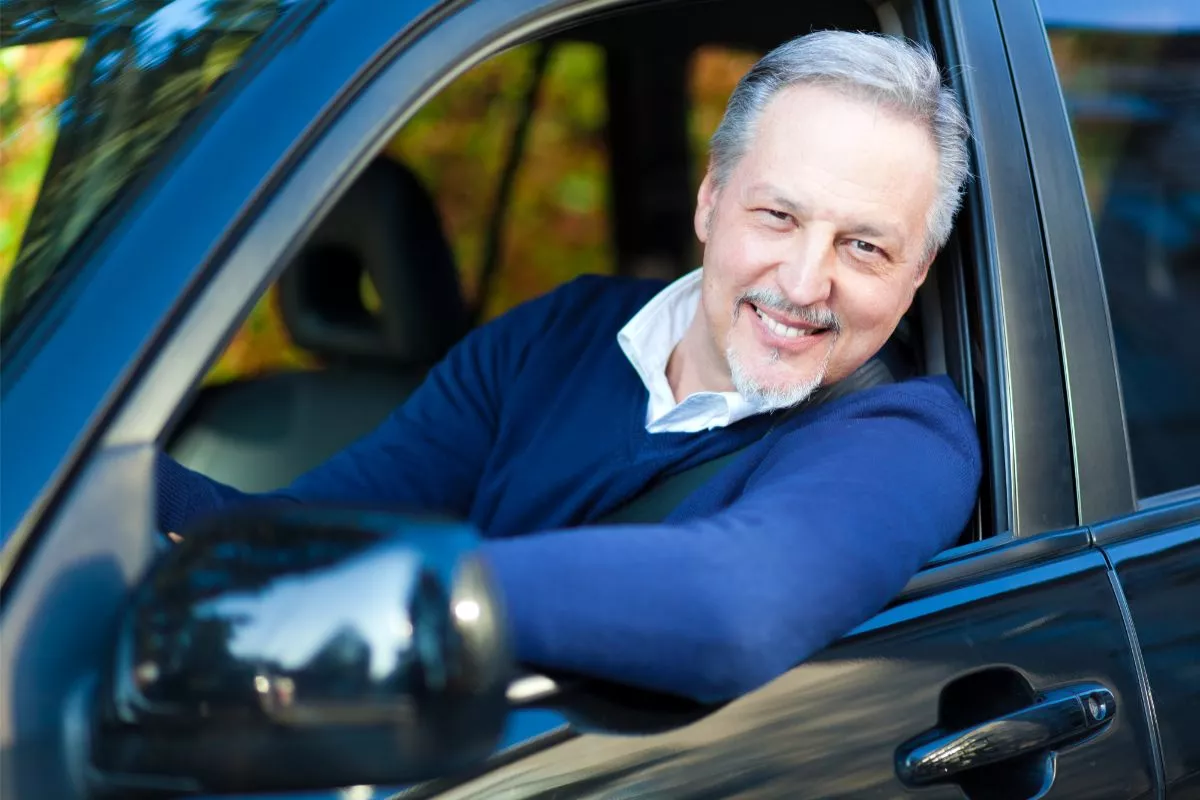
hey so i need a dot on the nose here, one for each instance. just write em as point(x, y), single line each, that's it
point(807, 274)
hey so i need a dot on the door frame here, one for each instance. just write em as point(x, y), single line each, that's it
point(1099, 441)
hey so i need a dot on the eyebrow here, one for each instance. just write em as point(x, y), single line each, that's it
point(797, 209)
point(776, 197)
point(871, 231)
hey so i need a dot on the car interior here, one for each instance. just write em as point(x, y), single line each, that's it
point(260, 430)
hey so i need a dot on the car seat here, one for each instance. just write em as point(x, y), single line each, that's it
point(261, 432)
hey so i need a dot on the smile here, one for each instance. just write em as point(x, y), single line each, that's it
point(784, 330)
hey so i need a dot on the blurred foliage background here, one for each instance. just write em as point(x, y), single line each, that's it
point(557, 221)
point(33, 85)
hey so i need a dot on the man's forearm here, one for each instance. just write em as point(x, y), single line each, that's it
point(713, 607)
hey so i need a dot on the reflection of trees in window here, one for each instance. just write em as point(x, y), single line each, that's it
point(1134, 103)
point(341, 668)
point(34, 80)
point(140, 71)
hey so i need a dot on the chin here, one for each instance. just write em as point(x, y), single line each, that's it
point(767, 386)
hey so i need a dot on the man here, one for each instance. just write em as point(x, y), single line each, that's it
point(834, 179)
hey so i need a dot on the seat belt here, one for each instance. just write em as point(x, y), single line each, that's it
point(660, 498)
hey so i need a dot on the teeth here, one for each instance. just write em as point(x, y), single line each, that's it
point(779, 329)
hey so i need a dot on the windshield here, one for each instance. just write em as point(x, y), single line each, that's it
point(93, 89)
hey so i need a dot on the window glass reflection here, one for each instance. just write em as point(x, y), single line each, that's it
point(95, 90)
point(1131, 79)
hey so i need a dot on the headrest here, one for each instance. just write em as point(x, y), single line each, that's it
point(386, 227)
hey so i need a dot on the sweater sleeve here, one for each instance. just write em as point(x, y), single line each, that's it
point(427, 455)
point(836, 519)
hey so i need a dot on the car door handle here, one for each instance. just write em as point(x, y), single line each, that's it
point(1057, 718)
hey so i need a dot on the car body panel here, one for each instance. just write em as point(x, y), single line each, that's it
point(831, 727)
point(56, 631)
point(1160, 576)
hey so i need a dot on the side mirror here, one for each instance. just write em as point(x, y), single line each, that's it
point(304, 649)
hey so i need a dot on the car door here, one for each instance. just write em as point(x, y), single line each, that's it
point(1156, 553)
point(1019, 640)
point(1127, 263)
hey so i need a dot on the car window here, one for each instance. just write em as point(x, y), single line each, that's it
point(537, 113)
point(1130, 75)
point(94, 90)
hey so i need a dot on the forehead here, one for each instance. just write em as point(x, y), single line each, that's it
point(841, 155)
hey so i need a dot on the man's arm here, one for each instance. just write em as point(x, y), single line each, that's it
point(427, 455)
point(831, 526)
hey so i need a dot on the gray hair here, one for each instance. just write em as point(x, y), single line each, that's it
point(899, 74)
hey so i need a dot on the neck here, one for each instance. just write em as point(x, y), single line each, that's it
point(695, 366)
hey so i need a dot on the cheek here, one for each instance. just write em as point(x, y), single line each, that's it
point(741, 253)
point(716, 303)
point(870, 314)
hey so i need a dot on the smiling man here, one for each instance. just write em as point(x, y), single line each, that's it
point(834, 179)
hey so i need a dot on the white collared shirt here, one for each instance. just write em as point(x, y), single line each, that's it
point(648, 340)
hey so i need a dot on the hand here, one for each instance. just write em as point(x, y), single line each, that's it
point(174, 537)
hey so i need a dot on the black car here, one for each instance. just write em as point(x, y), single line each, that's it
point(210, 153)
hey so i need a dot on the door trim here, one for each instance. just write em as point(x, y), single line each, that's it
point(1021, 348)
point(1099, 442)
point(977, 561)
point(1143, 678)
point(1157, 524)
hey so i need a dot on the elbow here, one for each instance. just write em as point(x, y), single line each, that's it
point(742, 656)
point(728, 675)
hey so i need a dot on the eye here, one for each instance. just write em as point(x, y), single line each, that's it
point(775, 216)
point(865, 251)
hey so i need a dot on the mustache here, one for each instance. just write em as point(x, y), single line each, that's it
point(774, 300)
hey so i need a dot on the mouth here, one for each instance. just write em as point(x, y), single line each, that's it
point(785, 329)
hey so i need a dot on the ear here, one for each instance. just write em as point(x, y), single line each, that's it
point(923, 272)
point(706, 203)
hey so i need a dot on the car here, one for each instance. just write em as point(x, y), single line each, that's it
point(209, 155)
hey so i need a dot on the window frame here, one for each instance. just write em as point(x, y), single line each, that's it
point(1022, 378)
point(1102, 463)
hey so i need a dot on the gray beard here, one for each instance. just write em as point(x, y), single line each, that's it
point(771, 398)
point(776, 397)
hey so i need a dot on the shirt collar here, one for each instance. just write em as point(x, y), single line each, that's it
point(648, 340)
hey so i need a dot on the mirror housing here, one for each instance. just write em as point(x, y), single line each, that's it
point(302, 648)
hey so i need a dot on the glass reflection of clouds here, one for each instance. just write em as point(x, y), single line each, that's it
point(165, 29)
point(293, 618)
point(1122, 15)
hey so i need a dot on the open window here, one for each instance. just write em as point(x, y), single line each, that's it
point(576, 153)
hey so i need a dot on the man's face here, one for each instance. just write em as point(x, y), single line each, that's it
point(815, 246)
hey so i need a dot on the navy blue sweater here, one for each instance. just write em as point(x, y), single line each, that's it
point(534, 426)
